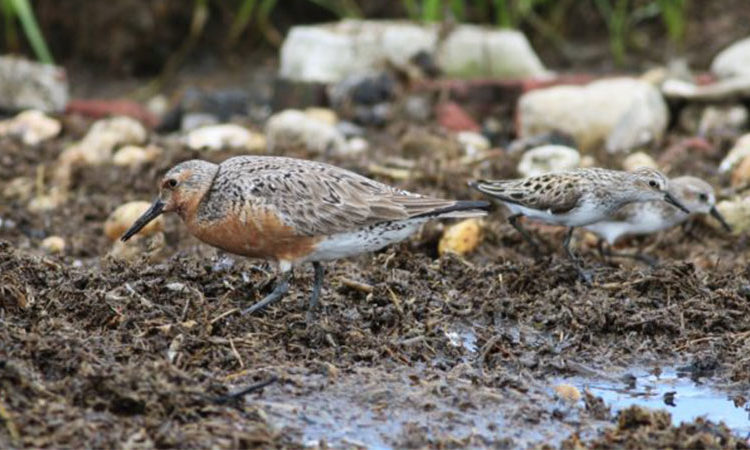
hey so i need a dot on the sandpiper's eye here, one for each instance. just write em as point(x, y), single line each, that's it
point(170, 183)
point(653, 184)
point(703, 197)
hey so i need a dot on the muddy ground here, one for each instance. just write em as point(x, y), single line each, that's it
point(408, 350)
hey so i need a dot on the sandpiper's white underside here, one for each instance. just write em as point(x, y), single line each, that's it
point(587, 212)
point(643, 218)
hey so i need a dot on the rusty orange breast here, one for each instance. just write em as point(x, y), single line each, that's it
point(255, 233)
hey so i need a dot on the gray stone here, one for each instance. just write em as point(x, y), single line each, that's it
point(29, 85)
point(471, 51)
point(733, 61)
point(623, 113)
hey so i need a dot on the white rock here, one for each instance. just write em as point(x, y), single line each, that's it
point(472, 143)
point(125, 215)
point(53, 244)
point(638, 159)
point(739, 152)
point(31, 126)
point(624, 113)
point(472, 51)
point(133, 155)
point(357, 145)
point(292, 129)
point(327, 53)
point(548, 158)
point(722, 120)
point(722, 90)
point(194, 120)
point(29, 85)
point(323, 114)
point(102, 138)
point(733, 61)
point(736, 212)
point(217, 137)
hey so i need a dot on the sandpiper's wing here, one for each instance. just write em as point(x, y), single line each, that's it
point(316, 198)
point(555, 192)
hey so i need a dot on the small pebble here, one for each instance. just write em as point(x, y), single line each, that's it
point(461, 238)
point(568, 392)
point(741, 173)
point(218, 137)
point(740, 150)
point(548, 158)
point(324, 115)
point(132, 155)
point(638, 159)
point(32, 126)
point(473, 143)
point(53, 244)
point(125, 215)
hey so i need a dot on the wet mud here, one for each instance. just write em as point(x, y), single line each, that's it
point(407, 350)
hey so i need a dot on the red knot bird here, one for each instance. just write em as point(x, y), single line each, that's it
point(654, 216)
point(575, 198)
point(292, 211)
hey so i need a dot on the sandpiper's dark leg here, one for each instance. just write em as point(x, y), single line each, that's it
point(282, 287)
point(607, 252)
point(526, 236)
point(584, 275)
point(317, 284)
point(603, 252)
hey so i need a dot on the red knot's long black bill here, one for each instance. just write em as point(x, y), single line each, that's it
point(152, 213)
point(673, 201)
point(717, 215)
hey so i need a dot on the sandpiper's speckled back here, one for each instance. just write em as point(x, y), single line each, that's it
point(560, 192)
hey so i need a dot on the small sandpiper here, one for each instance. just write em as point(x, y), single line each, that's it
point(575, 198)
point(651, 217)
point(292, 211)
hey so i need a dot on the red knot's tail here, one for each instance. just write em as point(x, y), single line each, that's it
point(460, 209)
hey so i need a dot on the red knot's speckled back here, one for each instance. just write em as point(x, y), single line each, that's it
point(576, 198)
point(293, 211)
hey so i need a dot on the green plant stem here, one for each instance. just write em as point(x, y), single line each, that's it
point(25, 14)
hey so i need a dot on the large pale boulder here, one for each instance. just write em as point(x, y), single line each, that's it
point(733, 61)
point(471, 51)
point(618, 113)
point(328, 53)
point(30, 85)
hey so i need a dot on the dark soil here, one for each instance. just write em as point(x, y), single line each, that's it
point(102, 353)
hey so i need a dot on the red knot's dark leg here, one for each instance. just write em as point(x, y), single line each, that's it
point(584, 275)
point(317, 286)
point(282, 287)
point(526, 236)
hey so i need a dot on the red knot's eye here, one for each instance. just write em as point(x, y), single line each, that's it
point(170, 183)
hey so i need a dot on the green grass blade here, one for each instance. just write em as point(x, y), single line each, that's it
point(244, 14)
point(31, 28)
point(11, 34)
point(431, 10)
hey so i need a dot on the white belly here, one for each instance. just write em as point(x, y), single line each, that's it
point(584, 214)
point(366, 240)
point(642, 218)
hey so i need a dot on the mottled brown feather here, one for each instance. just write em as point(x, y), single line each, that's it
point(313, 198)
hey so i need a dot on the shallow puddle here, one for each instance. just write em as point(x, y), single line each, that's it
point(674, 391)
